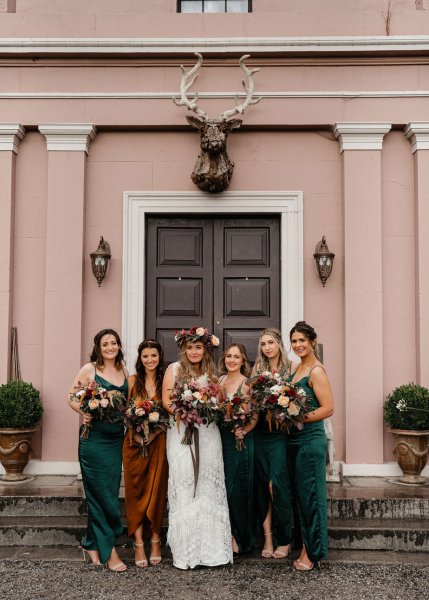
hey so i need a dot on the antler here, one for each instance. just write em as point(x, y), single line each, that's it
point(249, 87)
point(188, 79)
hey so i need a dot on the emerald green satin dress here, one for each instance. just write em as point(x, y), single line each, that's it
point(100, 458)
point(271, 466)
point(238, 466)
point(307, 464)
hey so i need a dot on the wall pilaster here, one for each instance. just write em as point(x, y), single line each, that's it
point(10, 136)
point(360, 145)
point(67, 146)
point(418, 134)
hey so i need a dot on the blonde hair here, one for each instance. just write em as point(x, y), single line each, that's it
point(262, 363)
point(187, 370)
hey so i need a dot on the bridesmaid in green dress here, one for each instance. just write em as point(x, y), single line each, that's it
point(100, 455)
point(272, 486)
point(238, 464)
point(307, 448)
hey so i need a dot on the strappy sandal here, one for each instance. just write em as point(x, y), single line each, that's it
point(119, 568)
point(280, 553)
point(300, 566)
point(142, 563)
point(155, 560)
point(94, 563)
point(267, 553)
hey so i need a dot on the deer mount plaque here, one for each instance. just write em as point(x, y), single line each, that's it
point(213, 169)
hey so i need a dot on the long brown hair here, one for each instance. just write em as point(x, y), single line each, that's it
point(206, 366)
point(96, 357)
point(140, 383)
point(262, 362)
point(245, 367)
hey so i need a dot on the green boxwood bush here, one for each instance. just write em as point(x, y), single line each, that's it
point(407, 407)
point(20, 405)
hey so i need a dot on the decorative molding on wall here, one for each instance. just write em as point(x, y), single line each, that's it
point(348, 94)
point(418, 134)
point(361, 136)
point(137, 205)
point(50, 467)
point(73, 137)
point(244, 45)
point(10, 136)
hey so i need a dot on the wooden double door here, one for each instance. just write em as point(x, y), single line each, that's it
point(222, 273)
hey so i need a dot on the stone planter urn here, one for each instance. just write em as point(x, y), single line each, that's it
point(411, 452)
point(15, 452)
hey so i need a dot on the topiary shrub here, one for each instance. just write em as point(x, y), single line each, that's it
point(20, 405)
point(407, 407)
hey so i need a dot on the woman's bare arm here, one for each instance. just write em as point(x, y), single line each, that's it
point(167, 387)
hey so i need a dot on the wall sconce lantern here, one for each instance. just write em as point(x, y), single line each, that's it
point(100, 260)
point(324, 260)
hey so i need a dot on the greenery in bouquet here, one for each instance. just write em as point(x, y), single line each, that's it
point(236, 411)
point(102, 405)
point(194, 403)
point(283, 403)
point(144, 417)
point(407, 407)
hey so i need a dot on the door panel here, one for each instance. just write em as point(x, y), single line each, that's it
point(220, 273)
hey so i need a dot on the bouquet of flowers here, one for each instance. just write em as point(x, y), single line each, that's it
point(99, 403)
point(143, 417)
point(194, 403)
point(236, 411)
point(283, 402)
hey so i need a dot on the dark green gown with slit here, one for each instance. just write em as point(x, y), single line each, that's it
point(238, 465)
point(307, 464)
point(100, 458)
point(271, 466)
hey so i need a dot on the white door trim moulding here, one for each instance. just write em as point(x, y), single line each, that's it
point(139, 205)
point(252, 45)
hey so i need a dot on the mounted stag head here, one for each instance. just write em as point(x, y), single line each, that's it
point(213, 169)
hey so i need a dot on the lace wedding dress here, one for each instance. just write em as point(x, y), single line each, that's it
point(199, 531)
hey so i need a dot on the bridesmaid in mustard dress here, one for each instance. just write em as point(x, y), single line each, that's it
point(273, 504)
point(307, 448)
point(238, 464)
point(100, 455)
point(146, 477)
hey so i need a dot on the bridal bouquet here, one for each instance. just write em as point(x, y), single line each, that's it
point(99, 403)
point(143, 417)
point(194, 403)
point(236, 411)
point(283, 402)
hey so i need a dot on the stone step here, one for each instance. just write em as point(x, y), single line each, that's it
point(348, 508)
point(379, 534)
point(353, 534)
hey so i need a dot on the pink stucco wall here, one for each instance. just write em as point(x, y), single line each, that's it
point(286, 143)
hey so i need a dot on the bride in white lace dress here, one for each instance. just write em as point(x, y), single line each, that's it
point(199, 531)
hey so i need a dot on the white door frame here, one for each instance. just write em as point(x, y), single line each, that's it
point(139, 205)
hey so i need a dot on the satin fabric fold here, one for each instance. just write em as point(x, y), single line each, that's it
point(238, 466)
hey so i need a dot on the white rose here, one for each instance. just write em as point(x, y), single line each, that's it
point(104, 402)
point(293, 409)
point(266, 374)
point(283, 401)
point(215, 341)
point(93, 404)
point(197, 395)
point(187, 394)
point(140, 412)
point(154, 417)
point(200, 331)
point(276, 389)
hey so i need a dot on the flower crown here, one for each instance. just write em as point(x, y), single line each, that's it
point(196, 334)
